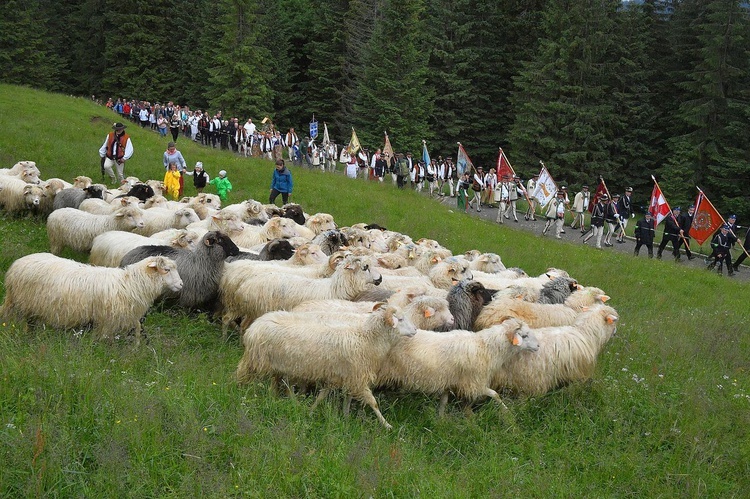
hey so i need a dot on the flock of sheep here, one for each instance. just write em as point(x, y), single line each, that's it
point(317, 306)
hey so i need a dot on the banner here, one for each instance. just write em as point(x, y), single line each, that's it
point(463, 162)
point(706, 220)
point(600, 189)
point(354, 145)
point(387, 148)
point(503, 165)
point(546, 188)
point(658, 207)
point(313, 128)
point(425, 154)
point(326, 138)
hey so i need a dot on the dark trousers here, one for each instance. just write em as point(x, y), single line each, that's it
point(680, 242)
point(175, 133)
point(668, 238)
point(720, 259)
point(743, 255)
point(400, 181)
point(275, 193)
point(649, 247)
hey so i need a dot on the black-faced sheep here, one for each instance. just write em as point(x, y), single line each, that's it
point(327, 351)
point(200, 269)
point(557, 290)
point(466, 300)
point(68, 294)
point(73, 197)
point(108, 248)
point(278, 249)
point(294, 212)
point(331, 241)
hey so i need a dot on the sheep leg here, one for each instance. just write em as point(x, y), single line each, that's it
point(494, 395)
point(347, 404)
point(368, 398)
point(443, 403)
point(321, 395)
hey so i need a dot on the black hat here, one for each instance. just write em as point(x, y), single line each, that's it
point(676, 208)
point(604, 197)
point(648, 214)
point(585, 187)
point(615, 196)
point(628, 189)
point(118, 126)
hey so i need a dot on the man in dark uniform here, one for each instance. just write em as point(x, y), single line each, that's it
point(644, 235)
point(612, 218)
point(721, 244)
point(625, 210)
point(671, 231)
point(685, 221)
point(597, 221)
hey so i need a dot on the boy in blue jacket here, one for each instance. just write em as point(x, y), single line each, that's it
point(281, 183)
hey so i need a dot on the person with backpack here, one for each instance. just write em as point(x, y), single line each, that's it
point(402, 170)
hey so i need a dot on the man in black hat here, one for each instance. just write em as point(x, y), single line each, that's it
point(612, 218)
point(115, 151)
point(625, 210)
point(597, 221)
point(721, 243)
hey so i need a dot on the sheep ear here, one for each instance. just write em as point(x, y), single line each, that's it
point(579, 287)
point(378, 305)
point(517, 340)
point(153, 264)
point(209, 241)
point(429, 312)
point(611, 319)
point(585, 309)
point(604, 298)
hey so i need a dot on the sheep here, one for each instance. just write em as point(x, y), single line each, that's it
point(251, 290)
point(228, 223)
point(141, 191)
point(159, 219)
point(82, 182)
point(73, 197)
point(30, 175)
point(442, 276)
point(248, 210)
point(17, 196)
point(294, 212)
point(331, 241)
point(19, 167)
point(157, 201)
point(320, 223)
point(277, 249)
point(77, 229)
point(396, 240)
point(567, 354)
point(273, 211)
point(393, 261)
point(586, 297)
point(275, 228)
point(356, 237)
point(157, 186)
point(466, 300)
point(425, 312)
point(557, 290)
point(205, 205)
point(460, 361)
point(284, 344)
point(101, 207)
point(200, 269)
point(108, 248)
point(51, 187)
point(68, 294)
point(486, 262)
point(532, 284)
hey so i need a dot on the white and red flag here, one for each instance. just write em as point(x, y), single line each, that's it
point(503, 167)
point(659, 208)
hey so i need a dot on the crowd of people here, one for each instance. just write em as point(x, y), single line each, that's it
point(438, 177)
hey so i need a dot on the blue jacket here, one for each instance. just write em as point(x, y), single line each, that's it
point(282, 180)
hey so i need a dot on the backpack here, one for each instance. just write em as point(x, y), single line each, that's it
point(403, 168)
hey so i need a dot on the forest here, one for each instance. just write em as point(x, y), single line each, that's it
point(624, 90)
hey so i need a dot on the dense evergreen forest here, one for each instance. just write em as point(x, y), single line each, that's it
point(621, 89)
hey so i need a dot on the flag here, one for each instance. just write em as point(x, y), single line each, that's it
point(503, 165)
point(600, 189)
point(545, 187)
point(425, 154)
point(659, 208)
point(313, 128)
point(463, 162)
point(706, 220)
point(354, 145)
point(326, 138)
point(388, 149)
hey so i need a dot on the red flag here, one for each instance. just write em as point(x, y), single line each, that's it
point(659, 208)
point(600, 189)
point(503, 165)
point(706, 220)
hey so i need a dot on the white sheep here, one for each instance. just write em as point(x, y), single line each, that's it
point(275, 228)
point(248, 211)
point(17, 196)
point(101, 207)
point(566, 354)
point(459, 361)
point(30, 175)
point(442, 276)
point(157, 202)
point(490, 263)
point(334, 353)
point(68, 294)
point(159, 219)
point(248, 290)
point(508, 278)
point(19, 167)
point(228, 223)
point(77, 229)
point(108, 248)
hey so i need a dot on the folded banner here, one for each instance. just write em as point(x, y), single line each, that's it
point(425, 154)
point(706, 220)
point(503, 165)
point(354, 145)
point(600, 189)
point(463, 162)
point(326, 138)
point(546, 188)
point(387, 148)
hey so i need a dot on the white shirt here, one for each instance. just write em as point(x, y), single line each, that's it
point(249, 127)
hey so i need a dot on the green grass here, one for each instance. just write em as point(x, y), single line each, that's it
point(667, 413)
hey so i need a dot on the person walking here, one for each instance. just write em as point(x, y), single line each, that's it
point(501, 197)
point(477, 184)
point(514, 189)
point(746, 248)
point(555, 214)
point(625, 210)
point(172, 180)
point(462, 192)
point(222, 184)
point(644, 235)
point(172, 155)
point(174, 125)
point(580, 205)
point(281, 183)
point(115, 151)
point(402, 170)
point(685, 221)
point(530, 188)
point(721, 244)
point(671, 232)
point(200, 177)
point(597, 221)
point(612, 218)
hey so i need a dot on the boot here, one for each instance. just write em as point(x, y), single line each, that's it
point(635, 252)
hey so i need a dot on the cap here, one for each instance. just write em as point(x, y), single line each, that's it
point(604, 197)
point(615, 196)
point(560, 193)
point(223, 173)
point(692, 206)
point(199, 165)
point(648, 214)
point(118, 126)
point(563, 188)
point(677, 208)
point(725, 227)
point(171, 144)
point(733, 216)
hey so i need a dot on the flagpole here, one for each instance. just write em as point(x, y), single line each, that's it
point(687, 243)
point(722, 219)
point(523, 189)
point(619, 220)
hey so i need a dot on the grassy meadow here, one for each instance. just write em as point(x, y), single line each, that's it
point(667, 413)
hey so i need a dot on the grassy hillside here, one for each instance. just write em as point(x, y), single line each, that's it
point(667, 413)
